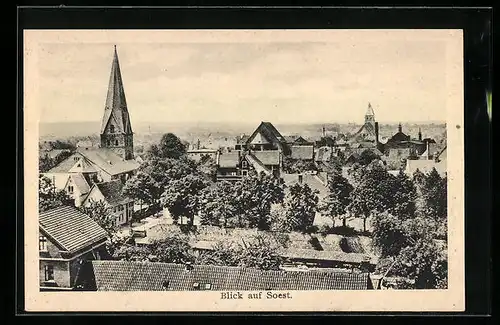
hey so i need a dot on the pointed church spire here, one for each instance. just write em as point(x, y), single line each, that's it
point(419, 134)
point(116, 104)
point(400, 128)
point(116, 130)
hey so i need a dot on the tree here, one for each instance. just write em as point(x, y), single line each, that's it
point(182, 196)
point(173, 249)
point(49, 197)
point(372, 194)
point(338, 198)
point(45, 163)
point(334, 166)
point(254, 196)
point(207, 166)
point(262, 253)
point(222, 254)
point(435, 195)
point(100, 212)
point(297, 165)
point(218, 206)
point(403, 197)
point(301, 207)
point(367, 156)
point(153, 176)
point(170, 146)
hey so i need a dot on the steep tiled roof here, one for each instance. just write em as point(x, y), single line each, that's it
point(138, 276)
point(65, 165)
point(229, 159)
point(112, 192)
point(268, 157)
point(302, 152)
point(109, 161)
point(80, 182)
point(313, 181)
point(257, 164)
point(70, 228)
point(269, 132)
point(323, 154)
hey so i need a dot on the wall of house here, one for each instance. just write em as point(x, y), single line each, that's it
point(61, 274)
point(123, 212)
point(76, 264)
point(52, 250)
point(58, 179)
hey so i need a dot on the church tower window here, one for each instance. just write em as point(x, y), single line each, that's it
point(116, 142)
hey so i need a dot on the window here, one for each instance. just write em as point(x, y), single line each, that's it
point(112, 128)
point(233, 173)
point(42, 244)
point(244, 164)
point(244, 172)
point(70, 189)
point(76, 158)
point(116, 142)
point(49, 273)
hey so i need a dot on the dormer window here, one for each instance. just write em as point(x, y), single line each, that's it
point(244, 164)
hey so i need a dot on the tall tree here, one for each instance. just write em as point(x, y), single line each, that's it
point(404, 195)
point(153, 177)
point(372, 194)
point(367, 156)
point(254, 197)
point(170, 146)
point(101, 213)
point(218, 205)
point(182, 196)
point(435, 195)
point(49, 196)
point(301, 207)
point(338, 199)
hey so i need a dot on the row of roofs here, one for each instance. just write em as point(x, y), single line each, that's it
point(154, 276)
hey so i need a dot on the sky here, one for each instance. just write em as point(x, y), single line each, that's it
point(282, 81)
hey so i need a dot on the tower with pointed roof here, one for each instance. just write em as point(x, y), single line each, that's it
point(370, 116)
point(116, 129)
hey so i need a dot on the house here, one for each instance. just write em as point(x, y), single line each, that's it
point(122, 208)
point(66, 238)
point(297, 140)
point(155, 276)
point(317, 182)
point(198, 154)
point(231, 166)
point(114, 159)
point(426, 165)
point(265, 137)
point(77, 187)
point(302, 152)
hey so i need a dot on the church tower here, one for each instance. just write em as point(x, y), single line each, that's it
point(370, 116)
point(116, 130)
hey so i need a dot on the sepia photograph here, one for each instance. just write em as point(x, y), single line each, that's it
point(244, 170)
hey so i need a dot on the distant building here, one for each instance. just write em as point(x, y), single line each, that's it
point(426, 165)
point(232, 166)
point(369, 131)
point(67, 237)
point(115, 276)
point(110, 193)
point(198, 154)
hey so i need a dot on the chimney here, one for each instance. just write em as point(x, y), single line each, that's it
point(400, 128)
point(419, 134)
point(324, 132)
point(376, 133)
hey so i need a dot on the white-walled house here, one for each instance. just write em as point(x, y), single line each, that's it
point(111, 194)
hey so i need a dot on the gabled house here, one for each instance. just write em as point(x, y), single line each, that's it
point(110, 193)
point(266, 137)
point(67, 237)
point(231, 166)
point(77, 188)
point(297, 140)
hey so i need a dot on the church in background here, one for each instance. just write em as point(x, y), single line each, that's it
point(90, 168)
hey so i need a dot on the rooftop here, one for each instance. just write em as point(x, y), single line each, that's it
point(71, 229)
point(112, 192)
point(148, 276)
